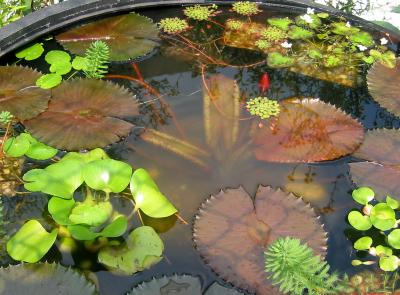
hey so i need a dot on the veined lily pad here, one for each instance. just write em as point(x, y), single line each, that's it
point(231, 217)
point(307, 130)
point(43, 278)
point(143, 249)
point(18, 93)
point(84, 114)
point(128, 36)
point(31, 242)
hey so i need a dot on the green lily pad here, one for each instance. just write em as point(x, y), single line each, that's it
point(31, 242)
point(394, 204)
point(114, 229)
point(61, 68)
point(363, 195)
point(49, 81)
point(277, 60)
point(382, 250)
point(79, 63)
point(383, 216)
point(342, 28)
point(60, 209)
point(362, 38)
point(57, 57)
point(60, 179)
point(363, 243)
point(394, 239)
point(148, 197)
point(282, 23)
point(17, 146)
point(359, 221)
point(91, 214)
point(296, 32)
point(389, 263)
point(316, 21)
point(31, 52)
point(107, 175)
point(142, 250)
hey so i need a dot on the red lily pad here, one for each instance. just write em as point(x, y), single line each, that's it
point(383, 85)
point(307, 130)
point(84, 114)
point(231, 233)
point(128, 36)
point(18, 93)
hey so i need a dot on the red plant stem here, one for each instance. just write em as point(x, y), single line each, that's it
point(137, 71)
point(155, 93)
point(4, 139)
point(181, 219)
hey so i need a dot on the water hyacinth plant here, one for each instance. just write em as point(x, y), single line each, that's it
point(382, 218)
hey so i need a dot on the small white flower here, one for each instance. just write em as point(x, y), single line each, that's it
point(348, 24)
point(310, 10)
point(286, 44)
point(307, 18)
point(384, 41)
point(362, 47)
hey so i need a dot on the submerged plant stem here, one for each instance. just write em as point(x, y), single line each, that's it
point(4, 139)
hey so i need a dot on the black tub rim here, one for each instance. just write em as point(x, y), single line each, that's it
point(42, 22)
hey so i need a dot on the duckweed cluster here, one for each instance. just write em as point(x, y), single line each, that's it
point(234, 24)
point(5, 117)
point(245, 8)
point(198, 12)
point(263, 107)
point(173, 25)
point(263, 44)
point(273, 34)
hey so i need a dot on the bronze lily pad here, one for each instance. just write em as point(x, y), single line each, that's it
point(231, 233)
point(18, 93)
point(307, 130)
point(383, 84)
point(128, 36)
point(84, 114)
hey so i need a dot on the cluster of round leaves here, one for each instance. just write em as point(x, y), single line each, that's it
point(380, 216)
point(234, 24)
point(263, 107)
point(273, 34)
point(246, 8)
point(5, 117)
point(199, 12)
point(173, 25)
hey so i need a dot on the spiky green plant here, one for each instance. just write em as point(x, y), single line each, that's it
point(293, 266)
point(98, 58)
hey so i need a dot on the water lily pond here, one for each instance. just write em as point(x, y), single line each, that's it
point(234, 149)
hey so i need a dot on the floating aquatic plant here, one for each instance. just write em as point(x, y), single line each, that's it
point(278, 60)
point(263, 44)
point(84, 114)
point(281, 23)
point(5, 117)
point(200, 12)
point(307, 130)
point(128, 36)
point(18, 93)
point(234, 24)
point(273, 34)
point(263, 107)
point(245, 8)
point(173, 25)
point(31, 52)
point(97, 59)
point(219, 233)
point(294, 267)
point(296, 32)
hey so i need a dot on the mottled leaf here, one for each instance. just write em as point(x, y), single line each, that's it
point(84, 114)
point(307, 130)
point(128, 36)
point(230, 218)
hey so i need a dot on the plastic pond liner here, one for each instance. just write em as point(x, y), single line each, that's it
point(196, 147)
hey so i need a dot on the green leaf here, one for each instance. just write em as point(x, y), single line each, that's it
point(383, 217)
point(91, 214)
point(31, 242)
point(359, 221)
point(299, 33)
point(316, 21)
point(60, 209)
point(323, 15)
point(32, 52)
point(60, 179)
point(382, 250)
point(17, 146)
point(315, 54)
point(394, 239)
point(388, 59)
point(87, 157)
point(79, 63)
point(363, 243)
point(61, 68)
point(57, 57)
point(40, 151)
point(389, 263)
point(362, 38)
point(363, 195)
point(341, 28)
point(142, 250)
point(148, 197)
point(394, 204)
point(107, 175)
point(277, 60)
point(49, 81)
point(281, 23)
point(369, 60)
point(114, 229)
